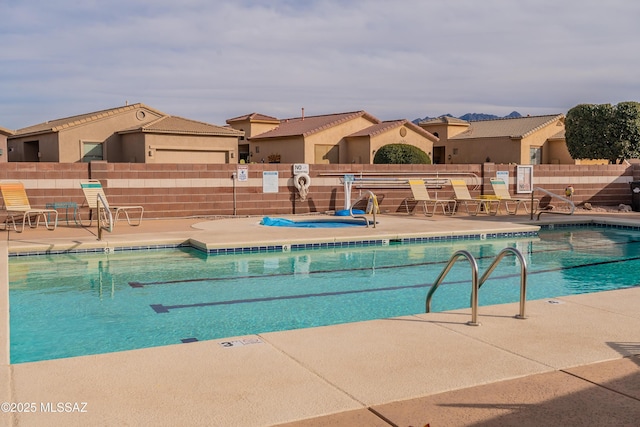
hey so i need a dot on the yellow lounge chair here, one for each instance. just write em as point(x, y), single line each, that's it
point(92, 188)
point(488, 206)
point(511, 204)
point(17, 204)
point(420, 194)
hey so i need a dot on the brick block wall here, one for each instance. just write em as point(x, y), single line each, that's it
point(178, 190)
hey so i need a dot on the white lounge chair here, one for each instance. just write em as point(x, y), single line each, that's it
point(511, 204)
point(462, 195)
point(420, 194)
point(92, 188)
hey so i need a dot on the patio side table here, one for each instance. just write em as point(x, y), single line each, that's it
point(73, 206)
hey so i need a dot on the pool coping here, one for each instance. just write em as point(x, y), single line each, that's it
point(17, 374)
point(207, 242)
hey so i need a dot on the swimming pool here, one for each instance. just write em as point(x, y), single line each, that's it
point(70, 305)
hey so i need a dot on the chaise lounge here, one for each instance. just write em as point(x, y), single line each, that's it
point(420, 194)
point(462, 195)
point(92, 189)
point(511, 204)
point(17, 205)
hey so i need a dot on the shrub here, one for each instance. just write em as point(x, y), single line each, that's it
point(401, 154)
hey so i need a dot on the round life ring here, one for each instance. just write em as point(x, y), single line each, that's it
point(302, 177)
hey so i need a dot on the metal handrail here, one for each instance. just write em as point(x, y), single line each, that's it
point(400, 180)
point(105, 205)
point(549, 193)
point(474, 284)
point(366, 220)
point(523, 276)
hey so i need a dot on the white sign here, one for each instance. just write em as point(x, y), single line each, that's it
point(524, 179)
point(270, 181)
point(299, 168)
point(243, 173)
point(503, 175)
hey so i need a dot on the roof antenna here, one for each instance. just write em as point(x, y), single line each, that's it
point(126, 102)
point(302, 113)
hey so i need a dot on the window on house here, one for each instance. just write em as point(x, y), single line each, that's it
point(92, 151)
point(535, 155)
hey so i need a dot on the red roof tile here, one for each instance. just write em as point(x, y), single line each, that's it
point(254, 117)
point(515, 128)
point(67, 122)
point(179, 125)
point(393, 124)
point(308, 125)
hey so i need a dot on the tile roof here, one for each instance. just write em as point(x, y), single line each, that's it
point(559, 135)
point(5, 131)
point(393, 124)
point(179, 125)
point(254, 117)
point(67, 122)
point(515, 128)
point(308, 125)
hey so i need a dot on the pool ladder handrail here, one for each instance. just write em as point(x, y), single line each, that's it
point(476, 284)
point(557, 196)
point(101, 200)
point(373, 210)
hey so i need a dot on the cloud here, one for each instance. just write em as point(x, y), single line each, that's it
point(211, 61)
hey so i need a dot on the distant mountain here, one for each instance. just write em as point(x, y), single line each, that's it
point(475, 117)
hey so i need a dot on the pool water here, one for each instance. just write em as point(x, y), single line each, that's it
point(71, 305)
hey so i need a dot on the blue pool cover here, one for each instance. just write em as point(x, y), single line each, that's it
point(312, 223)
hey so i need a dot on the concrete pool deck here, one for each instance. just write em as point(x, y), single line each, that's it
point(574, 361)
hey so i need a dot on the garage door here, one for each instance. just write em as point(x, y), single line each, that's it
point(186, 156)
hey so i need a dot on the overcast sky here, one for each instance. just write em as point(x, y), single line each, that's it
point(213, 60)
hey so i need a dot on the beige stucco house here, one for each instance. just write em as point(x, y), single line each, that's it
point(4, 133)
point(133, 134)
point(522, 140)
point(352, 137)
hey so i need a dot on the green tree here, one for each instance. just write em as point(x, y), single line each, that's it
point(626, 129)
point(401, 154)
point(603, 131)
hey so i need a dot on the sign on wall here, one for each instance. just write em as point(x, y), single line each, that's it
point(270, 181)
point(503, 175)
point(299, 168)
point(524, 179)
point(243, 173)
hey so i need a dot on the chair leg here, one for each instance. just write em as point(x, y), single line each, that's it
point(491, 207)
point(46, 220)
point(478, 206)
point(406, 205)
point(426, 209)
point(449, 207)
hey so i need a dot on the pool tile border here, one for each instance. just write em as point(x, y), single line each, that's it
point(594, 224)
point(294, 247)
